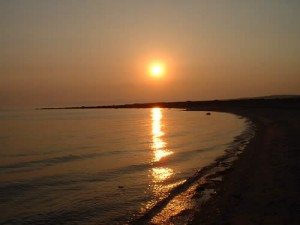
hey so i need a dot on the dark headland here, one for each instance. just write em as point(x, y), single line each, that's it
point(213, 105)
point(263, 185)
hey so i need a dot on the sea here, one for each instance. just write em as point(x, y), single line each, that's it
point(104, 166)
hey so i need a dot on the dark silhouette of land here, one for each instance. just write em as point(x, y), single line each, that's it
point(263, 185)
point(215, 105)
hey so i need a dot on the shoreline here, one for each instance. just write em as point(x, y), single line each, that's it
point(198, 188)
point(262, 186)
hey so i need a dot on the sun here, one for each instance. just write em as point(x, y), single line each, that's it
point(157, 69)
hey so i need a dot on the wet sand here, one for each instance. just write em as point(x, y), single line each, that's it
point(263, 185)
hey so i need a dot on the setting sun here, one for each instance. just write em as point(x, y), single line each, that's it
point(157, 70)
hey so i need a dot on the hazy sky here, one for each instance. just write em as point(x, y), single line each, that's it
point(73, 52)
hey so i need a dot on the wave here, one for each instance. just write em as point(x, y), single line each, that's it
point(38, 164)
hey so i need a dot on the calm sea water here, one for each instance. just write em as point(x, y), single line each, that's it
point(102, 166)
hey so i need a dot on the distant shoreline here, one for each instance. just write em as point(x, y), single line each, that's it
point(213, 105)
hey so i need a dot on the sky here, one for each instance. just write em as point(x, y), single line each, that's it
point(73, 52)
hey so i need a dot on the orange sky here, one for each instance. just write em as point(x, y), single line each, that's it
point(62, 53)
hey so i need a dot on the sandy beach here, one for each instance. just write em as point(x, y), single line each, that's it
point(263, 185)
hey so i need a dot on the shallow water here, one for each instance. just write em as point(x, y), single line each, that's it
point(102, 166)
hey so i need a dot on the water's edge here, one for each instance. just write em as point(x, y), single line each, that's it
point(198, 188)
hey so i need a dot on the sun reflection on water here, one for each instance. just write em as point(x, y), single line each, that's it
point(158, 145)
point(159, 148)
point(162, 177)
point(161, 174)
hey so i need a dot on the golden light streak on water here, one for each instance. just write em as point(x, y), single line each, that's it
point(159, 147)
point(158, 144)
point(161, 174)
